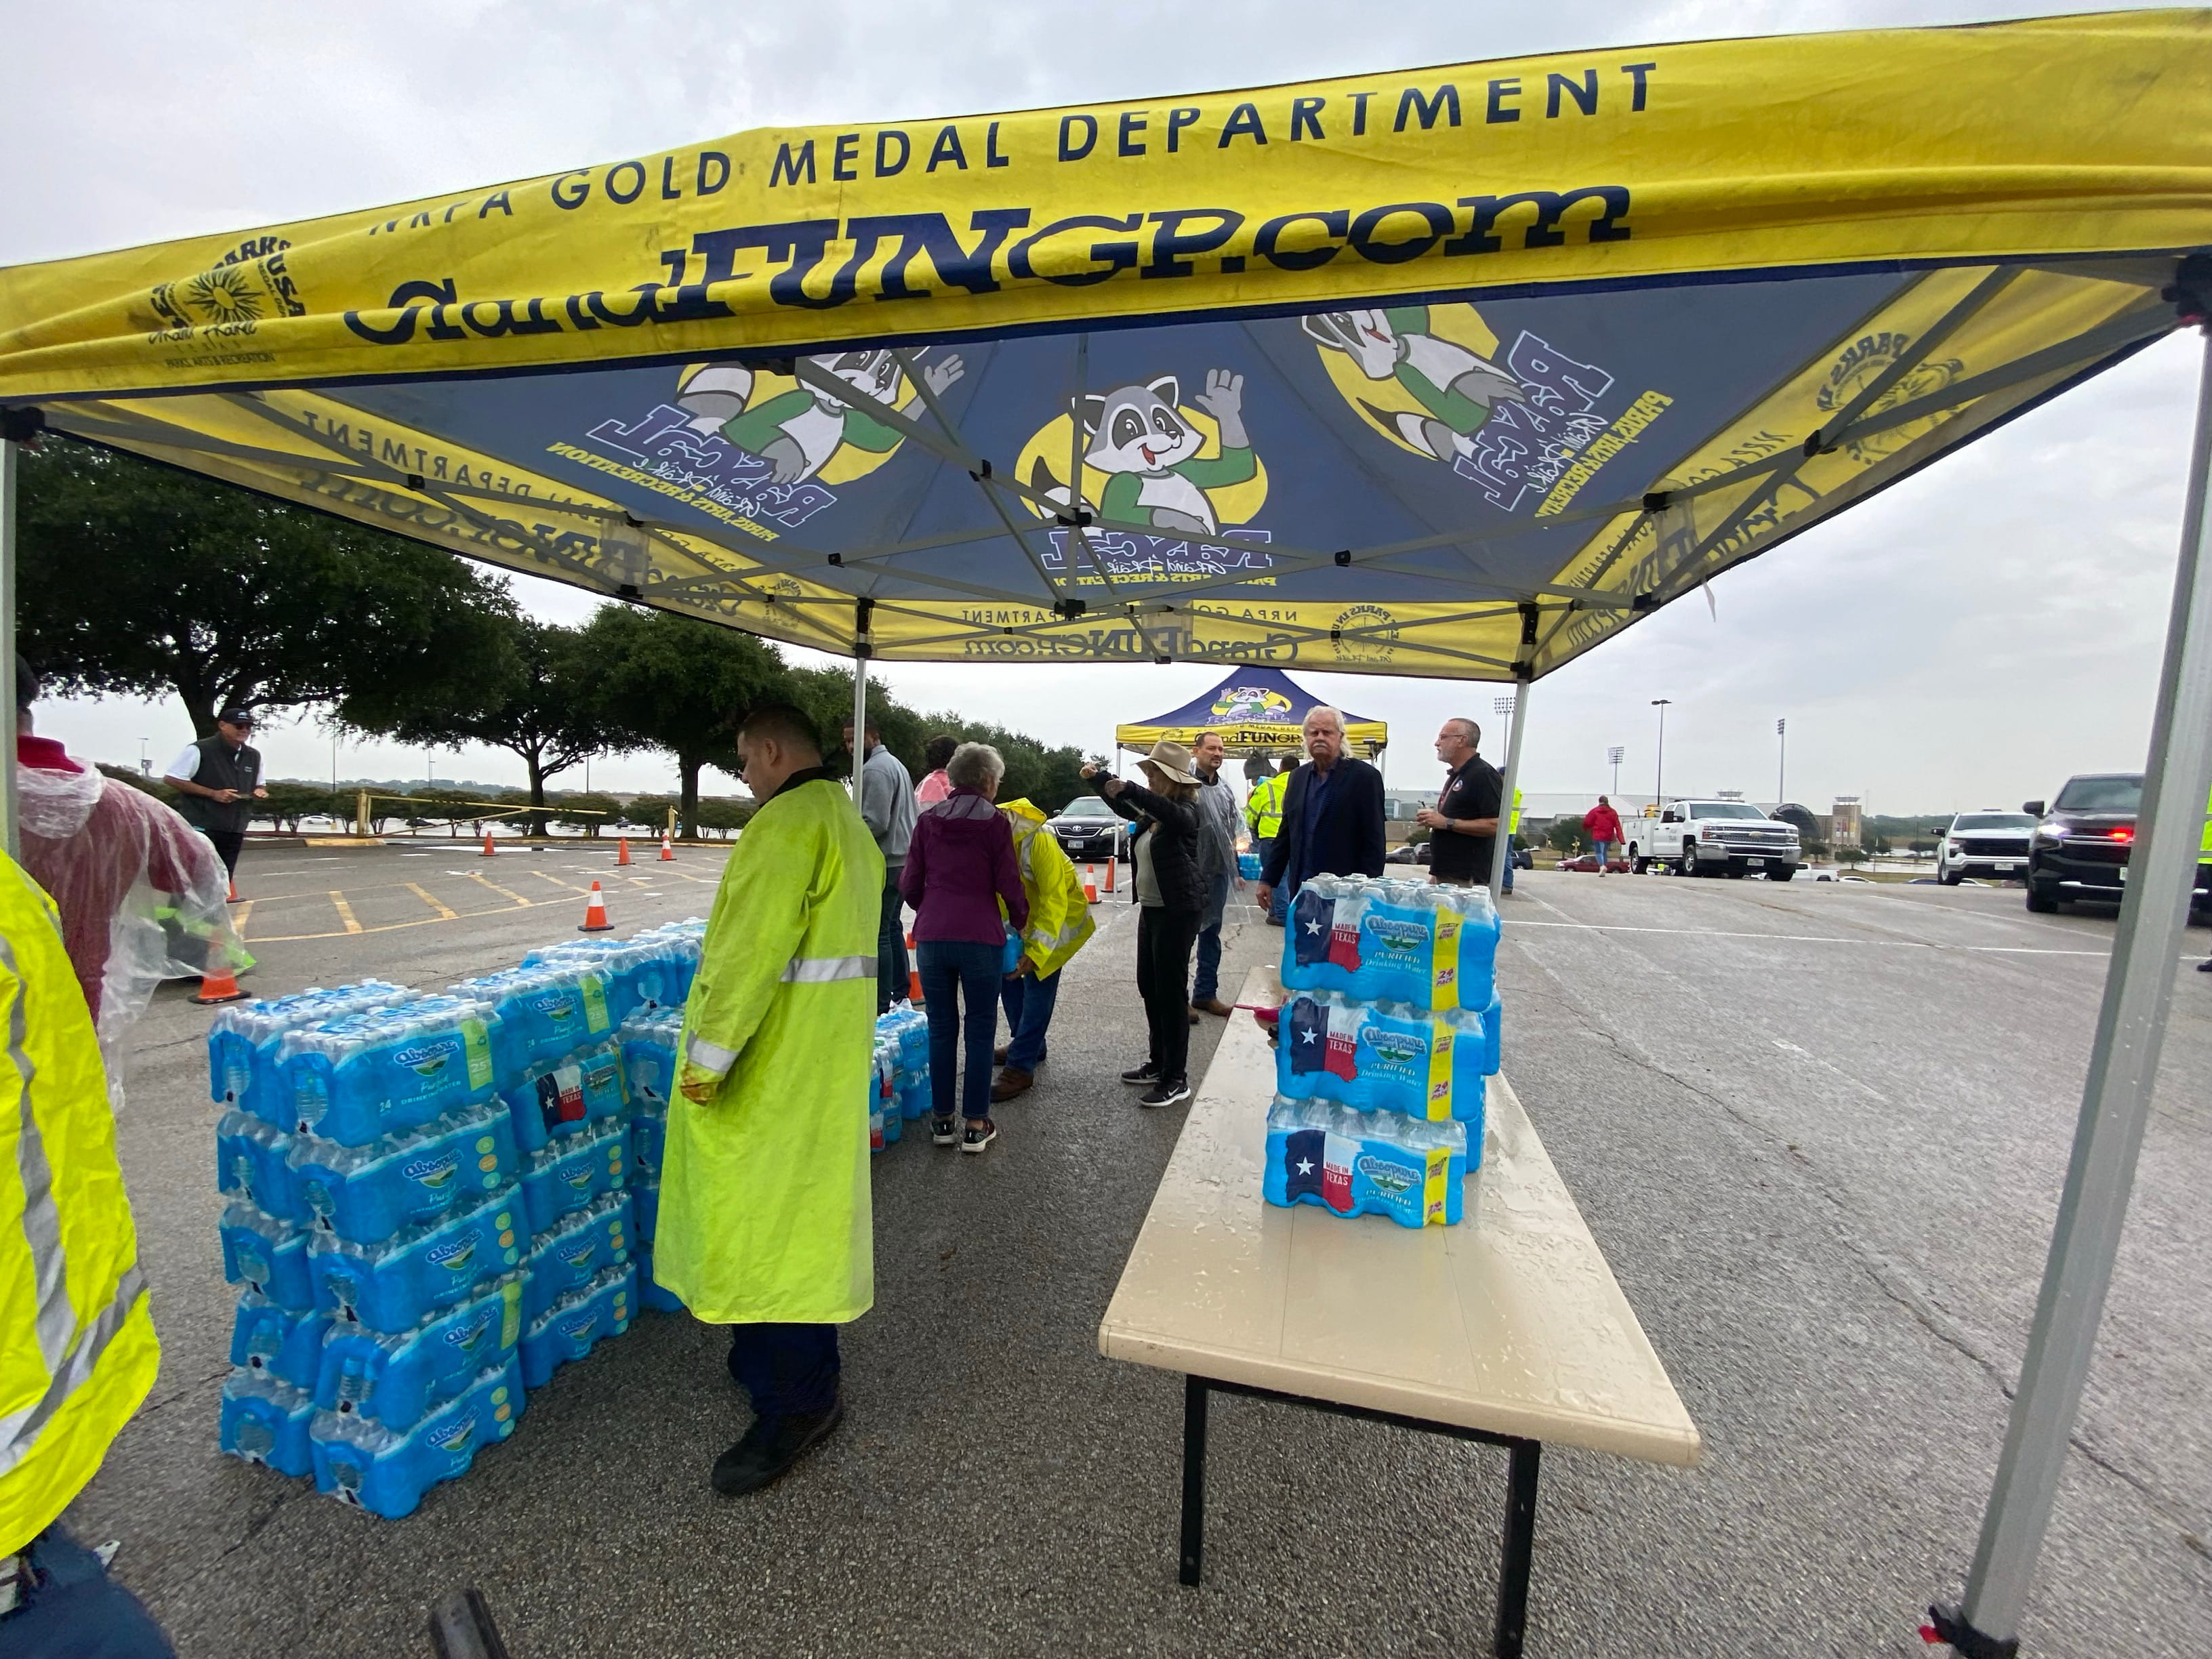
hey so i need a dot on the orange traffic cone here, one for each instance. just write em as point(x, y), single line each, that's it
point(1113, 872)
point(1090, 883)
point(913, 974)
point(595, 914)
point(233, 889)
point(622, 855)
point(489, 851)
point(667, 853)
point(219, 985)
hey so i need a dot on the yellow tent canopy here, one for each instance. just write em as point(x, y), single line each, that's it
point(1453, 372)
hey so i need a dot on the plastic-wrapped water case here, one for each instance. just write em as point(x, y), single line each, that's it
point(578, 1250)
point(543, 1013)
point(265, 1421)
point(651, 971)
point(250, 1155)
point(645, 1209)
point(392, 1286)
point(1365, 1162)
point(567, 1095)
point(650, 1294)
point(1393, 941)
point(367, 1195)
point(573, 1325)
point(268, 1255)
point(398, 1379)
point(389, 1071)
point(570, 1174)
point(284, 1342)
point(1384, 1057)
point(243, 1037)
point(648, 1046)
point(364, 1464)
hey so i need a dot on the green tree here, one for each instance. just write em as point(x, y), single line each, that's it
point(450, 807)
point(1568, 835)
point(589, 812)
point(649, 813)
point(723, 813)
point(535, 701)
point(290, 800)
point(681, 684)
point(141, 581)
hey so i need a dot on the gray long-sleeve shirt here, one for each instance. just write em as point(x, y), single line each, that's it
point(887, 803)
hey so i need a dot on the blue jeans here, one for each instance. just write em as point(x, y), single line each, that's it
point(77, 1611)
point(1029, 1004)
point(1207, 983)
point(1604, 852)
point(954, 970)
point(890, 945)
point(1278, 908)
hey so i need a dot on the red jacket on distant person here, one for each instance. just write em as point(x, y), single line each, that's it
point(1603, 823)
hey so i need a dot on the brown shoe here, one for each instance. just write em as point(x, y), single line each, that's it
point(1194, 1016)
point(999, 1054)
point(1215, 1006)
point(1011, 1082)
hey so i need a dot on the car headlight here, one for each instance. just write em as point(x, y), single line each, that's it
point(1957, 849)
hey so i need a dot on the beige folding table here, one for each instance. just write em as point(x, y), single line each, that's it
point(1507, 1329)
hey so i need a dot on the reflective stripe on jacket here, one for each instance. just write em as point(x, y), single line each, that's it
point(77, 1353)
point(1263, 805)
point(1060, 916)
point(764, 1204)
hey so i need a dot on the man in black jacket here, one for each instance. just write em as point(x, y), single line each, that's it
point(1332, 814)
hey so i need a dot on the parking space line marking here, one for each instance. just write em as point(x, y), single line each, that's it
point(238, 916)
point(1812, 939)
point(503, 892)
point(445, 912)
point(344, 910)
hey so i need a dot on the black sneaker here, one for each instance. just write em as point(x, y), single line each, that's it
point(771, 1446)
point(944, 1131)
point(980, 1133)
point(1166, 1094)
point(1147, 1072)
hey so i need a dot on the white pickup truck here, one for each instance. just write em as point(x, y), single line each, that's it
point(1714, 838)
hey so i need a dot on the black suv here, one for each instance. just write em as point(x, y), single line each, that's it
point(2080, 849)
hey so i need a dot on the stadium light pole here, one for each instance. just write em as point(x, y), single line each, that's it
point(1659, 776)
point(1616, 755)
point(1781, 760)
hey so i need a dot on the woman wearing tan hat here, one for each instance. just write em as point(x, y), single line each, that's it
point(1171, 901)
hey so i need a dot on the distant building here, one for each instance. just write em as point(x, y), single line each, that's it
point(1843, 822)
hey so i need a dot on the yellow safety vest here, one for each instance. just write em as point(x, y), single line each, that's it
point(1263, 807)
point(1513, 824)
point(77, 1353)
point(1060, 916)
point(2205, 846)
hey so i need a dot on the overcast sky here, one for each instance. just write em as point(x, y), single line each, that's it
point(1969, 638)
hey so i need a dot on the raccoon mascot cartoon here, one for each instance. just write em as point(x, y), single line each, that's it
point(1136, 435)
point(799, 430)
point(1456, 388)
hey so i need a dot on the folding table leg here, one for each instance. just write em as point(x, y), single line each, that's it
point(1520, 1549)
point(1193, 1475)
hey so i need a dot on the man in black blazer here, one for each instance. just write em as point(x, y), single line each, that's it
point(1332, 814)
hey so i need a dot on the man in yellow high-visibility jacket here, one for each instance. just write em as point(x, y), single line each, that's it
point(1263, 812)
point(1058, 923)
point(2204, 857)
point(77, 1353)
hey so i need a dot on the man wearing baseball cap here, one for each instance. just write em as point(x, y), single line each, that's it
point(215, 777)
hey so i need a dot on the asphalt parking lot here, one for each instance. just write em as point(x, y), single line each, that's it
point(1819, 1131)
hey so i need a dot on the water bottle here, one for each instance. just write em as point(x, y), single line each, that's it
point(1353, 1164)
point(883, 1078)
point(549, 1011)
point(573, 1326)
point(283, 1342)
point(265, 1421)
point(650, 1294)
point(391, 1287)
point(368, 1194)
point(570, 1174)
point(645, 1209)
point(267, 1254)
point(367, 1466)
point(243, 1038)
point(1383, 1057)
point(356, 1080)
point(567, 1095)
point(578, 1248)
point(398, 1379)
point(249, 1164)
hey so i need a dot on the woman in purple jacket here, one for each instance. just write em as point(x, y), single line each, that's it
point(959, 867)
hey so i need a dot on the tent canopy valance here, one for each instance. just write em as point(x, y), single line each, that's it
point(1453, 372)
point(1255, 711)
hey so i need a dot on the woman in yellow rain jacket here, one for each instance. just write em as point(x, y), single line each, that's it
point(78, 1352)
point(764, 1219)
point(1059, 922)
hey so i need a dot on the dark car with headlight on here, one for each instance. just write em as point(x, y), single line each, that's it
point(1087, 828)
point(2080, 849)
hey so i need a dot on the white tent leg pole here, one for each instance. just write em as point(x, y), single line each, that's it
point(860, 720)
point(7, 637)
point(2116, 1099)
point(1503, 849)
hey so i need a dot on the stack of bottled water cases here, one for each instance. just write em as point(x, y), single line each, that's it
point(434, 1203)
point(1386, 1043)
point(898, 1082)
